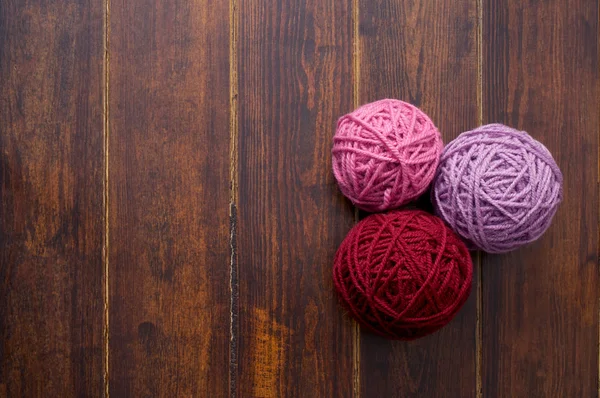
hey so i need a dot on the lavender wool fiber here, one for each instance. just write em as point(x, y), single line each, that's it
point(497, 187)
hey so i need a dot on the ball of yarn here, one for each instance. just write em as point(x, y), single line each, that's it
point(402, 274)
point(385, 154)
point(497, 187)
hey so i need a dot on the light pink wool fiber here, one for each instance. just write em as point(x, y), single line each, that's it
point(385, 154)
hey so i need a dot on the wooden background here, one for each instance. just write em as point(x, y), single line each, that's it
point(169, 216)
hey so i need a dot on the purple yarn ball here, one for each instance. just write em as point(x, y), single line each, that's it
point(497, 187)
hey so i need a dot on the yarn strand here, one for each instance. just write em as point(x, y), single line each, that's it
point(497, 187)
point(385, 154)
point(402, 274)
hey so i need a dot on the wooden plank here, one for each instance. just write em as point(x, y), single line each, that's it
point(422, 52)
point(540, 303)
point(51, 193)
point(169, 198)
point(295, 80)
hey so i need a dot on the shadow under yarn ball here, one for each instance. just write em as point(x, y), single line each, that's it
point(402, 274)
point(497, 187)
point(385, 154)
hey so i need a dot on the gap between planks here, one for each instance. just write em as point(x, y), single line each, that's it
point(598, 188)
point(356, 100)
point(105, 251)
point(479, 287)
point(233, 195)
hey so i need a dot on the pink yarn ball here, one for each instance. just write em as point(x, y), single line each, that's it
point(385, 154)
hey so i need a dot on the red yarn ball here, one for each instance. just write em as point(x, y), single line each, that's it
point(402, 275)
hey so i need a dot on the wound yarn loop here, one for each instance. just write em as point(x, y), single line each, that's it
point(403, 274)
point(497, 187)
point(385, 154)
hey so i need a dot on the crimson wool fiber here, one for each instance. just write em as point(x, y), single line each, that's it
point(403, 274)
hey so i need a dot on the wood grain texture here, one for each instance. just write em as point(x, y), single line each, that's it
point(295, 80)
point(51, 215)
point(540, 303)
point(422, 52)
point(169, 198)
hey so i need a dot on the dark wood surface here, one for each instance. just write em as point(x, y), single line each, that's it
point(51, 195)
point(540, 312)
point(169, 217)
point(424, 53)
point(168, 144)
point(295, 78)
